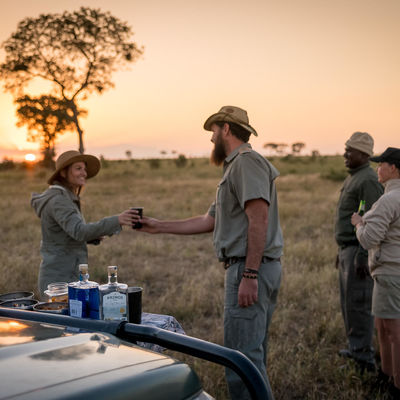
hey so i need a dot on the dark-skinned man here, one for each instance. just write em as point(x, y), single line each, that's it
point(247, 238)
point(352, 261)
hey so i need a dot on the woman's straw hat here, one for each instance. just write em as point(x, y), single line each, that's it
point(72, 156)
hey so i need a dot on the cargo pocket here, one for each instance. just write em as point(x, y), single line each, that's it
point(243, 330)
point(242, 312)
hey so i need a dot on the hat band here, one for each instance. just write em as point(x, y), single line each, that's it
point(235, 120)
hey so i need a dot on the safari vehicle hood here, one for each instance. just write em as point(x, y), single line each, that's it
point(40, 361)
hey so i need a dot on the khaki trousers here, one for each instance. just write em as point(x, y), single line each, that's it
point(246, 329)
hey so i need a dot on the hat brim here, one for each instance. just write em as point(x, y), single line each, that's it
point(377, 159)
point(92, 166)
point(224, 117)
point(390, 154)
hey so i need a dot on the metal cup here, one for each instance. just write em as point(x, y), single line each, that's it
point(138, 225)
point(135, 304)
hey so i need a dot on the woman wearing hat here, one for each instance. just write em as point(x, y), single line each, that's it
point(64, 230)
point(379, 232)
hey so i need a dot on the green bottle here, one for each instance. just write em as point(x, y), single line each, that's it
point(361, 208)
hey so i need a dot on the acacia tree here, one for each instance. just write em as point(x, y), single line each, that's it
point(278, 148)
point(298, 147)
point(45, 118)
point(77, 52)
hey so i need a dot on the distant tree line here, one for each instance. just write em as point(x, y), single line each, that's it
point(281, 148)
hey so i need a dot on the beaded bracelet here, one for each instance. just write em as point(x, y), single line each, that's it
point(249, 276)
point(251, 271)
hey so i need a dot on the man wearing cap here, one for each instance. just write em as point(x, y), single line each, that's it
point(247, 238)
point(352, 261)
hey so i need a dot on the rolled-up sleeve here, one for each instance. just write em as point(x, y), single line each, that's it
point(250, 181)
point(211, 210)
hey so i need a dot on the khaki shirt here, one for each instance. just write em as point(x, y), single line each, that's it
point(247, 176)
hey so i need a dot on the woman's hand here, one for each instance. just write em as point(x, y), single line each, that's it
point(356, 219)
point(128, 217)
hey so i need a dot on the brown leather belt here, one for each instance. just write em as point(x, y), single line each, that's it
point(227, 262)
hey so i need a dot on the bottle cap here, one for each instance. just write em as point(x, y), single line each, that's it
point(112, 269)
point(83, 268)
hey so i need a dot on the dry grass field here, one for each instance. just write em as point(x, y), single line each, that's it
point(181, 276)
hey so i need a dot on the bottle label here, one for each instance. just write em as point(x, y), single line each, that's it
point(114, 306)
point(75, 308)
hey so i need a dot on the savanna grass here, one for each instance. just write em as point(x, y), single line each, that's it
point(181, 276)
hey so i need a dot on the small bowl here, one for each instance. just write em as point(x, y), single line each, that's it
point(22, 304)
point(55, 307)
point(16, 296)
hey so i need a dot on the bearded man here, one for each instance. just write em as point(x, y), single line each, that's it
point(247, 238)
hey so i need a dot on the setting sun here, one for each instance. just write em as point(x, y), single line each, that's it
point(30, 157)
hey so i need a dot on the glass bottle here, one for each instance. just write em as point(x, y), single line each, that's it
point(57, 291)
point(361, 208)
point(83, 296)
point(113, 297)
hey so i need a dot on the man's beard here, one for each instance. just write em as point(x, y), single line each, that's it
point(218, 154)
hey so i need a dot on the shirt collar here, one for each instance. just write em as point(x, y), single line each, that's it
point(235, 152)
point(352, 171)
point(392, 184)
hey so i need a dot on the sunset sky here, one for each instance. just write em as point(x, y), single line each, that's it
point(312, 71)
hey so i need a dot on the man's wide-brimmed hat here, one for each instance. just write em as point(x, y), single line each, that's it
point(361, 141)
point(230, 114)
point(390, 154)
point(72, 156)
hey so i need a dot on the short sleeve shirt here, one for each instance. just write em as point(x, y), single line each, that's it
point(247, 176)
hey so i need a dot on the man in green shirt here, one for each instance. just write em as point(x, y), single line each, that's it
point(247, 238)
point(354, 279)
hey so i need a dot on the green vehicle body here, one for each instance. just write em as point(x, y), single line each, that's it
point(47, 356)
point(43, 361)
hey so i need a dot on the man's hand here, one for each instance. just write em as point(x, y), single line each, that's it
point(149, 225)
point(248, 292)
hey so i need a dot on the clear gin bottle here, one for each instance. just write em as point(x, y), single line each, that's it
point(113, 298)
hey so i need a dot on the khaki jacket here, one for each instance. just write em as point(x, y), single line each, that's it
point(380, 233)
